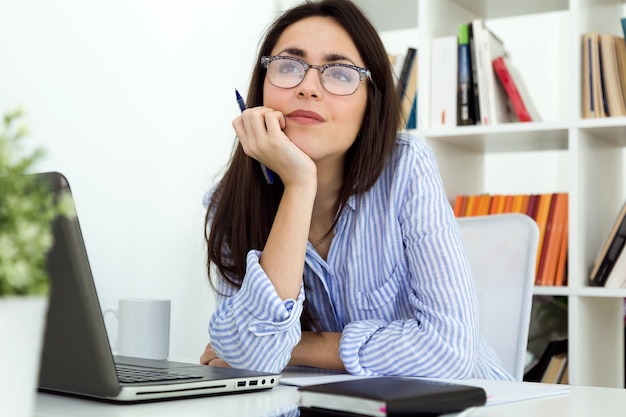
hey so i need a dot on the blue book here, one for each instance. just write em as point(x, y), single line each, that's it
point(412, 122)
point(624, 26)
point(465, 94)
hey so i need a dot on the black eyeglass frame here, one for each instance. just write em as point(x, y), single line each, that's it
point(363, 72)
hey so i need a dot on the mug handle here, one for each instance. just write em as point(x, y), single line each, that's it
point(104, 313)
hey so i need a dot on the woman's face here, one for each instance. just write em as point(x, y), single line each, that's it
point(321, 124)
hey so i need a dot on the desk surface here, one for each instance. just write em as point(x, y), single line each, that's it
point(282, 400)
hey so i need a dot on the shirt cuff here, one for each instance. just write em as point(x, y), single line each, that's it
point(353, 337)
point(272, 314)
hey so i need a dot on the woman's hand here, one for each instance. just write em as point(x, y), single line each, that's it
point(260, 132)
point(209, 357)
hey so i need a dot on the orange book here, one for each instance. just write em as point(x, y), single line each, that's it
point(553, 240)
point(525, 203)
point(541, 261)
point(508, 203)
point(497, 204)
point(459, 205)
point(518, 200)
point(543, 210)
point(561, 266)
point(483, 205)
point(471, 202)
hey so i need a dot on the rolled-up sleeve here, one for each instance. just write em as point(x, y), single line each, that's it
point(253, 328)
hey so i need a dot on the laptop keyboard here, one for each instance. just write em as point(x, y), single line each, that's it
point(131, 375)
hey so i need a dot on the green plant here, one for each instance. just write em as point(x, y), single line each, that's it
point(27, 209)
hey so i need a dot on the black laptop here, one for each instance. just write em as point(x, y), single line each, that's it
point(77, 358)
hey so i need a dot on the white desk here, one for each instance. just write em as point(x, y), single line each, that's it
point(580, 402)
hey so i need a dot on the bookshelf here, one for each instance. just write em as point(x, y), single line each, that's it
point(561, 153)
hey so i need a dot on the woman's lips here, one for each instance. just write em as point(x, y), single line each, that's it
point(305, 117)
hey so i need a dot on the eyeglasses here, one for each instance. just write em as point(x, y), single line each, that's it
point(338, 79)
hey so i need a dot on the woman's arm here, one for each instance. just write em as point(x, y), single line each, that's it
point(260, 132)
point(258, 326)
point(318, 350)
point(423, 321)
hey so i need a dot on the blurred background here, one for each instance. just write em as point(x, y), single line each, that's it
point(133, 100)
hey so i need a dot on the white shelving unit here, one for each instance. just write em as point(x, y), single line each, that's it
point(584, 157)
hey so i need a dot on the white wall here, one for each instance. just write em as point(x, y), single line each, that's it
point(132, 100)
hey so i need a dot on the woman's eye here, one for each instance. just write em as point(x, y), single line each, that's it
point(343, 74)
point(290, 67)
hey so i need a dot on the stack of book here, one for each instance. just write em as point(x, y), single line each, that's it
point(549, 210)
point(604, 74)
point(474, 81)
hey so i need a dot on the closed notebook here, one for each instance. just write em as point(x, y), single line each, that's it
point(390, 396)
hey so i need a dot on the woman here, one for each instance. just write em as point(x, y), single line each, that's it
point(352, 259)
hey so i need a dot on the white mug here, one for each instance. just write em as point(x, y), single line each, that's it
point(143, 327)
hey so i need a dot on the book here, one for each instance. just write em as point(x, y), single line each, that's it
point(546, 242)
point(615, 101)
point(610, 250)
point(412, 122)
point(593, 99)
point(565, 375)
point(444, 63)
point(465, 93)
point(472, 44)
point(472, 205)
point(497, 204)
point(603, 102)
point(405, 72)
point(617, 276)
point(532, 205)
point(511, 80)
point(560, 275)
point(391, 396)
point(459, 205)
point(556, 369)
point(587, 85)
point(624, 26)
point(407, 84)
point(557, 222)
point(538, 370)
point(484, 201)
point(620, 52)
point(543, 210)
point(494, 106)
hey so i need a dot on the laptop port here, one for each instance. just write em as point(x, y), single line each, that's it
point(253, 383)
point(241, 383)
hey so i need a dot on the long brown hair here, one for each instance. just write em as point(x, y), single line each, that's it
point(243, 206)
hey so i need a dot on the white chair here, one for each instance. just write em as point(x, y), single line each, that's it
point(502, 251)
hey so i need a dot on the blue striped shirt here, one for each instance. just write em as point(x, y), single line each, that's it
point(396, 284)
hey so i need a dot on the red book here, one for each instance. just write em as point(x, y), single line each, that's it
point(512, 82)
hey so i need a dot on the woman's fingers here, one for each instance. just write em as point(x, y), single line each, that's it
point(219, 362)
point(208, 355)
point(260, 131)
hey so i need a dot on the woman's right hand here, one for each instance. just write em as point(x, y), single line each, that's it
point(260, 132)
point(209, 357)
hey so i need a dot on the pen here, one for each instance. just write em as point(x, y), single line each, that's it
point(267, 173)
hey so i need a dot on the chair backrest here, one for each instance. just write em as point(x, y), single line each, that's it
point(502, 251)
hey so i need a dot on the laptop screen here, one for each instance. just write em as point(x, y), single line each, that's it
point(75, 336)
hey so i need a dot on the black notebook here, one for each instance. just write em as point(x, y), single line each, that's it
point(390, 396)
